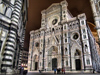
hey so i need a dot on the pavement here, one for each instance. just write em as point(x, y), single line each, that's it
point(67, 73)
point(52, 73)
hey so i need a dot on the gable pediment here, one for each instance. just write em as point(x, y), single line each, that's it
point(53, 6)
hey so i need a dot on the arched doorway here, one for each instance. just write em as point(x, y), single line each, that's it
point(54, 63)
point(36, 62)
point(77, 60)
point(78, 64)
point(52, 58)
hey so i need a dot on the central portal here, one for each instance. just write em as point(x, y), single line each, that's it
point(36, 64)
point(54, 63)
point(78, 64)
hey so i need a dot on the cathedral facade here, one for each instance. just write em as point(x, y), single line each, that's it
point(62, 41)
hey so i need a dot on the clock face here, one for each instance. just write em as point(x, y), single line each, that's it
point(54, 21)
point(37, 44)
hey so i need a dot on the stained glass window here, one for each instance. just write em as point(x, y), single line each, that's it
point(75, 36)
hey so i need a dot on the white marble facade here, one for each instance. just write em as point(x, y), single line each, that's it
point(76, 46)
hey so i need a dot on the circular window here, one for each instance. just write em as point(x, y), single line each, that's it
point(37, 44)
point(75, 36)
point(54, 21)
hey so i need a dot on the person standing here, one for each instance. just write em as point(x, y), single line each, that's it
point(93, 70)
point(59, 70)
point(22, 69)
point(39, 71)
point(55, 71)
point(62, 70)
point(45, 70)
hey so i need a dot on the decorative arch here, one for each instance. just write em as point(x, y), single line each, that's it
point(35, 62)
point(35, 53)
point(36, 58)
point(52, 57)
point(75, 47)
point(52, 48)
point(76, 54)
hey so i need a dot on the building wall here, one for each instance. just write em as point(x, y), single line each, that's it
point(95, 4)
point(24, 60)
point(94, 52)
point(13, 19)
point(3, 37)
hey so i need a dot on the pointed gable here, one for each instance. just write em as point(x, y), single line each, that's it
point(53, 7)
